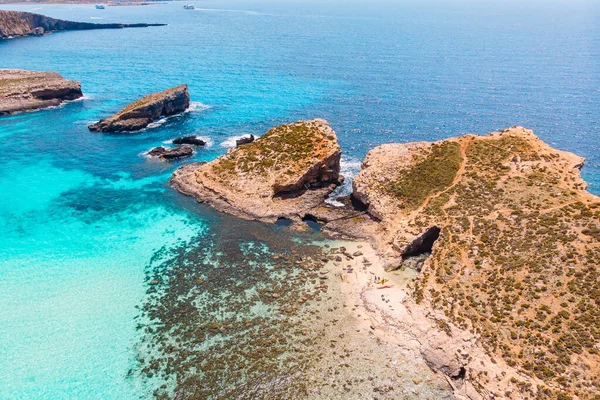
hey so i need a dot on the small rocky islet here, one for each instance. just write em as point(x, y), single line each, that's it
point(141, 113)
point(285, 173)
point(186, 145)
point(166, 153)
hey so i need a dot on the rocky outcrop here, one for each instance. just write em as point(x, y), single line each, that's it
point(165, 153)
point(20, 23)
point(190, 140)
point(244, 140)
point(22, 90)
point(139, 114)
point(284, 173)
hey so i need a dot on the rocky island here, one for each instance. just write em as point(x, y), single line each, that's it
point(22, 90)
point(141, 113)
point(286, 172)
point(165, 153)
point(507, 300)
point(21, 23)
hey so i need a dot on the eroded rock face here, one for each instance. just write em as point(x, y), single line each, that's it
point(284, 173)
point(22, 90)
point(141, 113)
point(20, 23)
point(171, 153)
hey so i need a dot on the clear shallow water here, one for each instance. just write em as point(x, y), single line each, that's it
point(82, 214)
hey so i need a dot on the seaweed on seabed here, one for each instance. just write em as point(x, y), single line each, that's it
point(220, 316)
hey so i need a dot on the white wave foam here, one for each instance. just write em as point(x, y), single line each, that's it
point(82, 98)
point(157, 123)
point(144, 154)
point(349, 168)
point(196, 106)
point(229, 143)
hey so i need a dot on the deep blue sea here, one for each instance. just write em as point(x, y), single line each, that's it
point(83, 215)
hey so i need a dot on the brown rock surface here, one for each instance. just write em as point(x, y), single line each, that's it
point(22, 90)
point(141, 113)
point(284, 173)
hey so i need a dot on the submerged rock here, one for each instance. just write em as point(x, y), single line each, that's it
point(171, 153)
point(20, 23)
point(22, 90)
point(191, 140)
point(284, 173)
point(141, 113)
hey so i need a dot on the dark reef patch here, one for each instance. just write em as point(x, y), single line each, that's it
point(223, 318)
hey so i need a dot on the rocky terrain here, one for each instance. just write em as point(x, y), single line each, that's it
point(141, 113)
point(287, 171)
point(21, 23)
point(502, 230)
point(22, 90)
point(516, 261)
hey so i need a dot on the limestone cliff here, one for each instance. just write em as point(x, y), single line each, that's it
point(22, 90)
point(284, 173)
point(514, 260)
point(144, 111)
point(20, 23)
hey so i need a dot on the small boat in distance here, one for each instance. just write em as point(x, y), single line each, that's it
point(189, 7)
point(100, 7)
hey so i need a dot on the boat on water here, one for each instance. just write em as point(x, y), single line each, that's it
point(100, 6)
point(189, 7)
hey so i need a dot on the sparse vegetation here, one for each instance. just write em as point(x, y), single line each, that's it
point(433, 173)
point(518, 259)
point(283, 149)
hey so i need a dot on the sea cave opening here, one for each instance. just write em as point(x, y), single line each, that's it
point(416, 253)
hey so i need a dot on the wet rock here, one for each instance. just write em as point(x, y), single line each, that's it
point(191, 140)
point(171, 153)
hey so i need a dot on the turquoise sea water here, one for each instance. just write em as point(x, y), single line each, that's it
point(83, 214)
